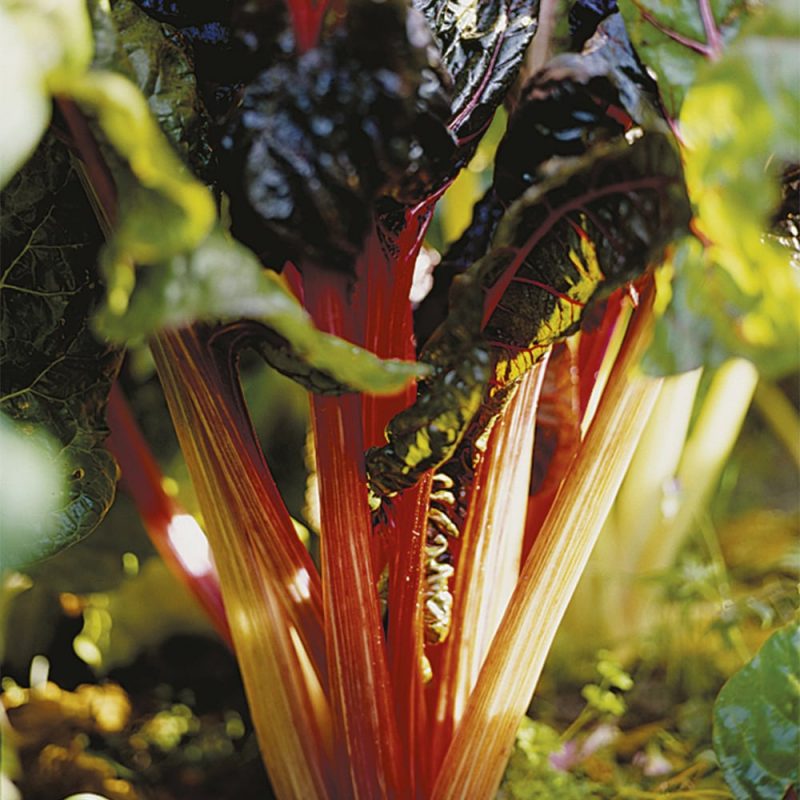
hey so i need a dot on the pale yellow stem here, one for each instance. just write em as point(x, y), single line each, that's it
point(605, 602)
point(479, 751)
point(646, 492)
point(706, 452)
point(494, 532)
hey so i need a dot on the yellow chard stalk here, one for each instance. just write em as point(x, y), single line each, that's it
point(477, 755)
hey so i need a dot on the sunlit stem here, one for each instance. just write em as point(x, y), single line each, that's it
point(605, 606)
point(360, 690)
point(269, 584)
point(477, 756)
point(175, 534)
point(607, 364)
point(706, 452)
point(644, 498)
point(489, 560)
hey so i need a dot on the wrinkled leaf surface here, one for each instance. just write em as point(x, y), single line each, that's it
point(53, 371)
point(757, 721)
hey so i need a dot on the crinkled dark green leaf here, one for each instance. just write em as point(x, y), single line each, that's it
point(590, 224)
point(483, 43)
point(654, 26)
point(320, 137)
point(53, 371)
point(223, 280)
point(757, 721)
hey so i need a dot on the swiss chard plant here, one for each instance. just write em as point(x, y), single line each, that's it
point(257, 175)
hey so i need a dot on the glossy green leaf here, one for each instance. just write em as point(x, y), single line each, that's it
point(483, 44)
point(594, 223)
point(53, 372)
point(757, 721)
point(38, 40)
point(672, 39)
point(223, 280)
point(304, 154)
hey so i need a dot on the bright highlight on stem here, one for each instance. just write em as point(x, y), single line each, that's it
point(477, 756)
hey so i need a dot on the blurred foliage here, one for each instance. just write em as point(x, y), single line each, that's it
point(672, 39)
point(41, 42)
point(738, 124)
point(94, 739)
point(29, 493)
point(114, 629)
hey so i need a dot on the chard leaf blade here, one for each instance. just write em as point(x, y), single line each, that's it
point(54, 373)
point(221, 280)
point(483, 44)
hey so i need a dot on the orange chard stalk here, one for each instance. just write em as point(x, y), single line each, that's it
point(361, 696)
point(488, 562)
point(474, 763)
point(270, 587)
point(142, 479)
point(384, 285)
point(558, 436)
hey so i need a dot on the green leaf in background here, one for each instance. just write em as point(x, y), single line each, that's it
point(223, 280)
point(736, 296)
point(31, 485)
point(757, 721)
point(672, 40)
point(39, 40)
point(53, 372)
